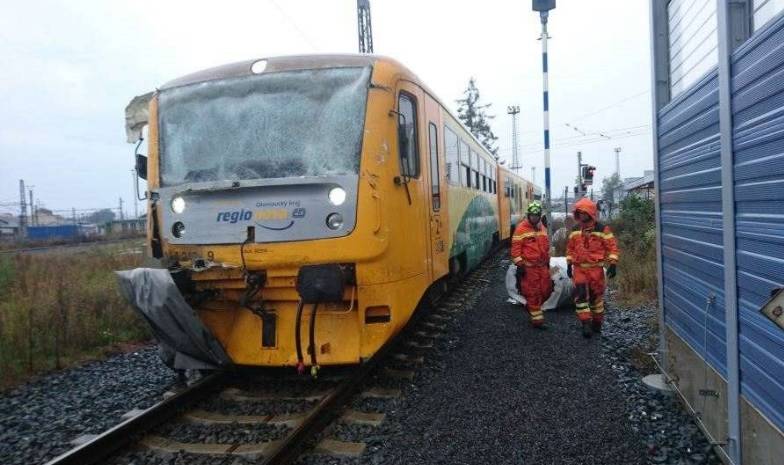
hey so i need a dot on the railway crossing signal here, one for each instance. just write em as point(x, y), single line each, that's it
point(543, 5)
point(587, 174)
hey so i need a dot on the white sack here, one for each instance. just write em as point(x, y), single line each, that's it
point(562, 285)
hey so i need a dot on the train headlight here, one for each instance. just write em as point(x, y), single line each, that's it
point(337, 196)
point(258, 67)
point(335, 221)
point(178, 229)
point(178, 204)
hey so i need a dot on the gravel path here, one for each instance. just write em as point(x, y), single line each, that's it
point(38, 420)
point(497, 391)
point(509, 394)
point(670, 435)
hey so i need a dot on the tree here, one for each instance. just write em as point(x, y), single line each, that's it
point(101, 216)
point(474, 115)
point(611, 188)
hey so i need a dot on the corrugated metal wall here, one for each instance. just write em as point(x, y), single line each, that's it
point(691, 219)
point(758, 132)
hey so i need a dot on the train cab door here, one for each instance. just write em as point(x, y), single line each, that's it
point(412, 217)
point(437, 199)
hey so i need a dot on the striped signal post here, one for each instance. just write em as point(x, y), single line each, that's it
point(544, 7)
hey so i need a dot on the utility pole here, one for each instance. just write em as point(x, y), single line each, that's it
point(32, 207)
point(514, 110)
point(618, 162)
point(566, 200)
point(544, 7)
point(580, 173)
point(135, 198)
point(22, 210)
point(533, 175)
point(364, 27)
point(122, 215)
point(73, 215)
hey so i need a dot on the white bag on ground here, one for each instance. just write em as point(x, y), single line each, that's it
point(562, 285)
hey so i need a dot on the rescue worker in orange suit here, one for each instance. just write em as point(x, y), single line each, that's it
point(591, 247)
point(531, 254)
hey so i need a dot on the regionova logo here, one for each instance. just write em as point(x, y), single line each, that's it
point(258, 216)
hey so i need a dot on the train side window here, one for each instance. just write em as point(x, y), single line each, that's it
point(465, 162)
point(451, 148)
point(407, 135)
point(519, 198)
point(435, 180)
point(475, 167)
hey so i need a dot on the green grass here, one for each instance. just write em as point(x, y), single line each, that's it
point(60, 307)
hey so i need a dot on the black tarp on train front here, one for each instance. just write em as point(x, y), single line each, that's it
point(185, 342)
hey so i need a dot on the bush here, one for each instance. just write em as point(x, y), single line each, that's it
point(59, 307)
point(635, 228)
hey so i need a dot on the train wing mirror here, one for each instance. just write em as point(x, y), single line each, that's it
point(136, 118)
point(141, 166)
point(403, 141)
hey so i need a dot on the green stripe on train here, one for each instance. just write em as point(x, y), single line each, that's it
point(474, 235)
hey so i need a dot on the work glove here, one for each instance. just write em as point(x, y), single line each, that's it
point(569, 270)
point(611, 271)
point(520, 272)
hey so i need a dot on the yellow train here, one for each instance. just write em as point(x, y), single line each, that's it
point(335, 189)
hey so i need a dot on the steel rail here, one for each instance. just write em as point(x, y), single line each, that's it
point(119, 436)
point(285, 451)
point(325, 412)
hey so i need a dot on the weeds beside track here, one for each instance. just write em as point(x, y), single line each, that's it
point(58, 308)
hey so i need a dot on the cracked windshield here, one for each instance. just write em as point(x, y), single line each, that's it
point(277, 125)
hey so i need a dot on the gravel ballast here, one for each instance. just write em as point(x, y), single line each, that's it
point(40, 419)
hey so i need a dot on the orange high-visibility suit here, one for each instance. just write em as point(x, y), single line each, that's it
point(590, 248)
point(531, 250)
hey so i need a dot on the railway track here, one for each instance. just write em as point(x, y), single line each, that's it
point(274, 417)
point(133, 244)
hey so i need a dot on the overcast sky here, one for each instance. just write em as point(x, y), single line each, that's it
point(69, 69)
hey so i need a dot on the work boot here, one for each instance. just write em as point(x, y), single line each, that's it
point(596, 326)
point(539, 325)
point(587, 332)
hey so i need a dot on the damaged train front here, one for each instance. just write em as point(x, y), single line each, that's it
point(254, 192)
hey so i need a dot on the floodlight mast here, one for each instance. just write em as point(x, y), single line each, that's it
point(364, 26)
point(544, 7)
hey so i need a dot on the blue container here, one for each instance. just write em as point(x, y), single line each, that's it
point(42, 233)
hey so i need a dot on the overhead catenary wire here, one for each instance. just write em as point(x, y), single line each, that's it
point(612, 133)
point(294, 24)
point(600, 110)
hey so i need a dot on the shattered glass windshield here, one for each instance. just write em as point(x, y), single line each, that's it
point(277, 125)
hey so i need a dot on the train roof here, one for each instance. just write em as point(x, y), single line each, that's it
point(281, 63)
